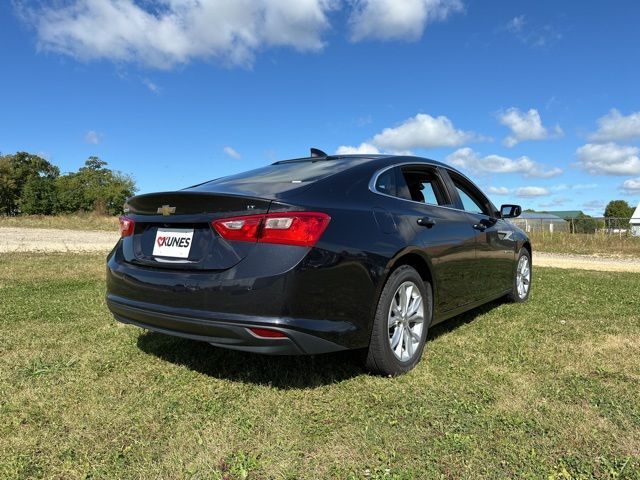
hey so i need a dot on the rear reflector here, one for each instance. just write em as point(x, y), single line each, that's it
point(291, 228)
point(266, 333)
point(127, 227)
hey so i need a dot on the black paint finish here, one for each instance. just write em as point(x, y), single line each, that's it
point(323, 298)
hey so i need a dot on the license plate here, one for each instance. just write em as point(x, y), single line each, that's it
point(173, 242)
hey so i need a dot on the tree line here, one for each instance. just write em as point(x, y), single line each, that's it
point(31, 185)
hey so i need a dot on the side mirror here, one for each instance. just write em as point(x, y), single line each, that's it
point(510, 211)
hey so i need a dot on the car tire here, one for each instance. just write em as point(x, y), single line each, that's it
point(402, 319)
point(521, 288)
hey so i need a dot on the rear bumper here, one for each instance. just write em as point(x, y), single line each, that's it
point(321, 304)
point(227, 330)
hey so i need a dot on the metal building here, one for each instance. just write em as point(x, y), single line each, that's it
point(635, 222)
point(541, 222)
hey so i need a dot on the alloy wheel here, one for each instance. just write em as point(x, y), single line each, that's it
point(406, 321)
point(523, 276)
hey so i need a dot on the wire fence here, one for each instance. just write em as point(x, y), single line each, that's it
point(584, 225)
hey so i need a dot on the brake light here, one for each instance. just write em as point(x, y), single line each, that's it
point(291, 228)
point(266, 333)
point(243, 229)
point(126, 227)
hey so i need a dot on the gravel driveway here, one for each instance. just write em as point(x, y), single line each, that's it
point(52, 240)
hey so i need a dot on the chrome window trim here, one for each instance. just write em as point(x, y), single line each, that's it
point(374, 180)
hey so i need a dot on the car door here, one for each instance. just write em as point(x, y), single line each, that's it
point(442, 233)
point(495, 242)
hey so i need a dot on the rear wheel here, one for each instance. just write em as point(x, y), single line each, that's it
point(401, 322)
point(522, 280)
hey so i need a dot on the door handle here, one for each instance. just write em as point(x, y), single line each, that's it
point(480, 226)
point(426, 222)
point(483, 224)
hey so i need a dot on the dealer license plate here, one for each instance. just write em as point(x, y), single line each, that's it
point(173, 242)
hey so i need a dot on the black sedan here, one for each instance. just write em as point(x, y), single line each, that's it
point(316, 255)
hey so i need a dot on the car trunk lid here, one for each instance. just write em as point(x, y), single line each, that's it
point(173, 229)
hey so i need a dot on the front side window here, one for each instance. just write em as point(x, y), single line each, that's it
point(472, 200)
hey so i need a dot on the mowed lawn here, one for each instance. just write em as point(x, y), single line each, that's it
point(549, 389)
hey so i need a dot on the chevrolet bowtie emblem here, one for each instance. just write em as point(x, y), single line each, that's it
point(166, 210)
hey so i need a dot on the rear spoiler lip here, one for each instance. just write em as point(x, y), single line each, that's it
point(166, 207)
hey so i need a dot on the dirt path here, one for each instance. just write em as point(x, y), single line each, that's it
point(53, 240)
point(586, 262)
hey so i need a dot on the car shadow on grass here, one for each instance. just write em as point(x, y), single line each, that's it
point(462, 319)
point(283, 372)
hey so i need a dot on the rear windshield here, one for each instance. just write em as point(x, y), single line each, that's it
point(279, 177)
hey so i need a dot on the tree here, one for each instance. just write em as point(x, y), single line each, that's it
point(94, 188)
point(584, 224)
point(30, 184)
point(70, 194)
point(7, 186)
point(16, 171)
point(38, 196)
point(617, 214)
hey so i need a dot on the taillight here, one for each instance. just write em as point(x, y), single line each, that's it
point(126, 227)
point(290, 228)
point(242, 228)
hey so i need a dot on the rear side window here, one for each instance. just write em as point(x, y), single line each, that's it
point(422, 185)
point(386, 182)
point(416, 183)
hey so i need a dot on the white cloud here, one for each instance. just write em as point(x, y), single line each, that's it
point(525, 126)
point(363, 148)
point(594, 205)
point(422, 131)
point(609, 159)
point(531, 192)
point(363, 121)
point(466, 158)
point(394, 19)
point(232, 152)
point(498, 190)
point(575, 186)
point(153, 88)
point(516, 24)
point(631, 186)
point(615, 126)
point(555, 202)
point(92, 137)
point(541, 191)
point(163, 33)
point(523, 192)
point(532, 35)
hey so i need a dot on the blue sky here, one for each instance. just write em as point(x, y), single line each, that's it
point(537, 101)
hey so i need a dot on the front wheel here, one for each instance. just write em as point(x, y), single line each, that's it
point(401, 322)
point(522, 280)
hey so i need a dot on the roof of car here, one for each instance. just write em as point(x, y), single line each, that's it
point(364, 157)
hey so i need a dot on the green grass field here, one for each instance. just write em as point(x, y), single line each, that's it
point(601, 244)
point(549, 389)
